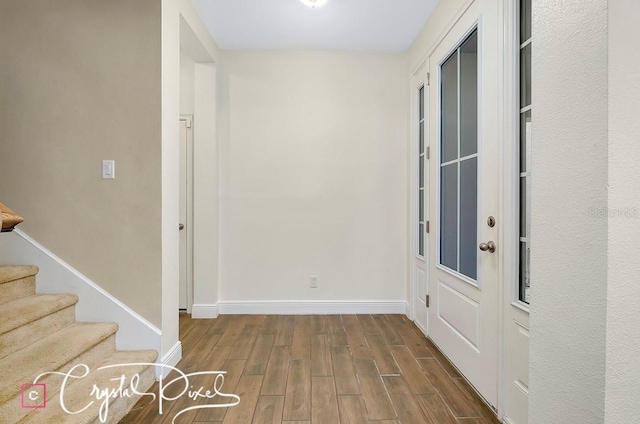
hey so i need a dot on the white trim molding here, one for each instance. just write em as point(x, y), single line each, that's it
point(170, 359)
point(95, 304)
point(312, 307)
point(203, 311)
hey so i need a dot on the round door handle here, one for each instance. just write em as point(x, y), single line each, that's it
point(180, 227)
point(490, 246)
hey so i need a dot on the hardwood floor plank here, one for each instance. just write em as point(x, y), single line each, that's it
point(318, 324)
point(259, 357)
point(284, 333)
point(269, 410)
point(355, 337)
point(485, 412)
point(411, 371)
point(335, 330)
point(368, 325)
point(455, 398)
point(471, 421)
point(301, 346)
point(270, 325)
point(244, 345)
point(297, 400)
point(408, 410)
point(381, 354)
point(232, 332)
point(234, 368)
point(215, 359)
point(373, 391)
point(320, 356)
point(352, 410)
point(416, 344)
point(275, 377)
point(387, 332)
point(324, 403)
point(344, 371)
point(444, 362)
point(434, 407)
point(248, 390)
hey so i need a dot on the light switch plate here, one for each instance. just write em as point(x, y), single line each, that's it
point(108, 169)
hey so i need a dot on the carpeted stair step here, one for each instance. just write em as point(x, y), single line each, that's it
point(79, 343)
point(78, 394)
point(28, 319)
point(17, 281)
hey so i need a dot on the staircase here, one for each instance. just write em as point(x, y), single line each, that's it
point(39, 334)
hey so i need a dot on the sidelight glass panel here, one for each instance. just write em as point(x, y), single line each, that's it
point(469, 96)
point(469, 217)
point(525, 150)
point(525, 139)
point(449, 216)
point(525, 76)
point(449, 108)
point(525, 20)
point(523, 207)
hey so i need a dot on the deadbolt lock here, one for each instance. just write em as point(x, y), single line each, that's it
point(491, 221)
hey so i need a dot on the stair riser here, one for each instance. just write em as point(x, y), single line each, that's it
point(90, 357)
point(25, 335)
point(16, 289)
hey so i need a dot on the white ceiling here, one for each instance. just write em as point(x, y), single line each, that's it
point(371, 25)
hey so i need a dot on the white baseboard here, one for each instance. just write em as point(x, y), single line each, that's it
point(204, 311)
point(170, 359)
point(307, 307)
point(95, 304)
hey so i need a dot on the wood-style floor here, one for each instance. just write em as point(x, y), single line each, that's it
point(318, 369)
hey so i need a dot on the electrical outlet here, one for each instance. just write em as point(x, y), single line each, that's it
point(313, 280)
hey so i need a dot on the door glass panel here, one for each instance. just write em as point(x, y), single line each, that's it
point(469, 96)
point(421, 206)
point(459, 159)
point(468, 217)
point(421, 169)
point(449, 216)
point(449, 109)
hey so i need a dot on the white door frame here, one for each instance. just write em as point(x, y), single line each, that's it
point(189, 210)
point(515, 313)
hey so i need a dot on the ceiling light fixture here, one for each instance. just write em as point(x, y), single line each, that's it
point(314, 3)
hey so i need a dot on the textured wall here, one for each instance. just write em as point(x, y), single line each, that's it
point(623, 320)
point(569, 258)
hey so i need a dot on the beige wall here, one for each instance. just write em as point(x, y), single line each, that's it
point(313, 177)
point(79, 83)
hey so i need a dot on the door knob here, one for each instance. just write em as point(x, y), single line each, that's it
point(180, 227)
point(490, 246)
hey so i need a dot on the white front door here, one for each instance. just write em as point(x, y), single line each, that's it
point(464, 196)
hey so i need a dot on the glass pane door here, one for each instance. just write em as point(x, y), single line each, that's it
point(459, 159)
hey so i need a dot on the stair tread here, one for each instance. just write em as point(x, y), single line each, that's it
point(49, 354)
point(27, 309)
point(78, 394)
point(10, 273)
